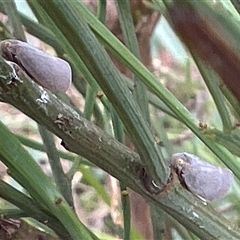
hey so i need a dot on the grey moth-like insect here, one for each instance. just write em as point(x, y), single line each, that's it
point(50, 72)
point(201, 178)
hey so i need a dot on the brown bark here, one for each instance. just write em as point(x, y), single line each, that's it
point(206, 39)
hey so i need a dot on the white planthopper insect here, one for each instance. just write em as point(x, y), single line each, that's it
point(50, 72)
point(201, 178)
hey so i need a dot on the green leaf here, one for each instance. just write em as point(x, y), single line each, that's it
point(26, 171)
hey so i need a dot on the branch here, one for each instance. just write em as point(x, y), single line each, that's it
point(78, 134)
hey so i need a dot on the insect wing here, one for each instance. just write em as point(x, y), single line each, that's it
point(50, 72)
point(201, 178)
point(207, 181)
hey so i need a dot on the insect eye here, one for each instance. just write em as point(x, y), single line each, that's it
point(180, 162)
